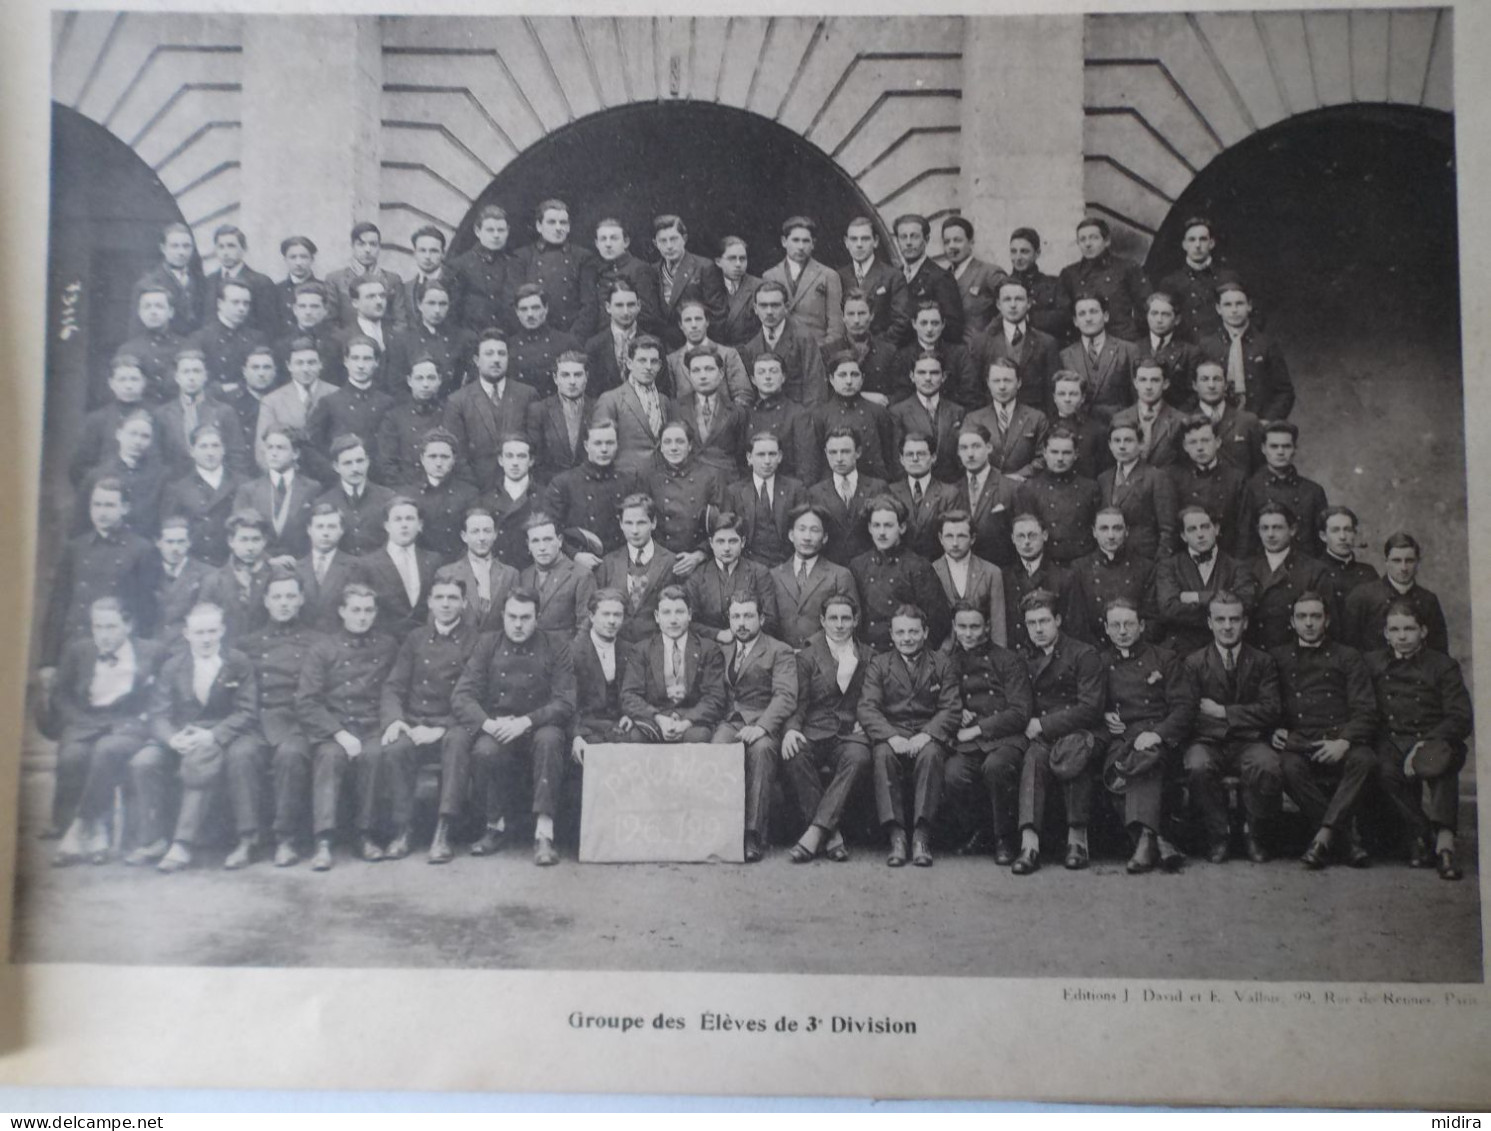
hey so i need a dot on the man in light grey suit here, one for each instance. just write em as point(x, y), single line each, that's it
point(978, 282)
point(290, 405)
point(637, 409)
point(815, 293)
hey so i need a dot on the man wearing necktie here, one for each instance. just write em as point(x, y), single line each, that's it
point(1238, 703)
point(674, 686)
point(761, 694)
point(640, 569)
point(1257, 374)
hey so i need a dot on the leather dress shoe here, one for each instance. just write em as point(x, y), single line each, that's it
point(1004, 852)
point(1219, 852)
point(398, 847)
point(1357, 855)
point(1420, 855)
point(1255, 850)
point(1027, 862)
point(241, 856)
point(321, 861)
point(285, 855)
point(752, 848)
point(146, 853)
point(177, 859)
point(1314, 857)
point(370, 851)
point(1144, 859)
point(1076, 857)
point(896, 858)
point(1172, 859)
point(491, 840)
point(921, 849)
point(1448, 869)
point(836, 850)
point(440, 852)
point(543, 852)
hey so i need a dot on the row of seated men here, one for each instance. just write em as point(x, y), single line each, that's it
point(326, 631)
point(227, 311)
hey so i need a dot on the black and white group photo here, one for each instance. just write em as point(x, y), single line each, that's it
point(958, 495)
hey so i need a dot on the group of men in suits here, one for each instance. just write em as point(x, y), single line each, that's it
point(862, 521)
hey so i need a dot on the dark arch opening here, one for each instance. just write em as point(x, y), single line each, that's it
point(725, 171)
point(107, 211)
point(1343, 221)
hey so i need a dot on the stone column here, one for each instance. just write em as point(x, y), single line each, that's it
point(311, 92)
point(1022, 132)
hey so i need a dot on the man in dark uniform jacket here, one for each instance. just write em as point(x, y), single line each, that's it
point(1049, 311)
point(997, 705)
point(1068, 682)
point(299, 254)
point(228, 336)
point(883, 286)
point(1366, 605)
point(418, 719)
point(1100, 272)
point(1256, 371)
point(205, 495)
point(824, 732)
point(876, 356)
point(536, 345)
point(909, 709)
point(361, 503)
point(515, 700)
point(1338, 537)
point(1330, 721)
point(1279, 481)
point(1421, 700)
point(806, 580)
point(760, 696)
point(484, 275)
point(586, 500)
point(310, 321)
point(925, 281)
point(891, 576)
point(337, 703)
point(923, 497)
point(435, 335)
point(565, 272)
point(617, 264)
point(202, 709)
point(96, 711)
point(356, 409)
point(961, 379)
point(1034, 569)
point(442, 498)
point(154, 344)
point(1194, 284)
point(1112, 571)
point(1185, 583)
point(403, 427)
point(278, 651)
point(1280, 574)
point(431, 272)
point(231, 244)
point(1067, 502)
point(683, 275)
point(1216, 486)
point(1238, 704)
point(181, 276)
point(107, 561)
point(1166, 346)
point(1149, 717)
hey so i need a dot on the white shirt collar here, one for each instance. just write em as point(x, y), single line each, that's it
point(642, 556)
point(516, 488)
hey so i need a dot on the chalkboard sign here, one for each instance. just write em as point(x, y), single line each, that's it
point(646, 803)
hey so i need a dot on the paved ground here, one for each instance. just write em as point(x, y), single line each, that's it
point(964, 916)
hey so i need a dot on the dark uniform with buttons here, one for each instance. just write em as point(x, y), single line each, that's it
point(1365, 615)
point(399, 438)
point(873, 426)
point(224, 350)
point(1068, 505)
point(898, 577)
point(532, 354)
point(1194, 290)
point(156, 352)
point(1304, 497)
point(418, 691)
point(589, 497)
point(567, 275)
point(340, 688)
point(1149, 691)
point(1219, 491)
point(641, 278)
point(535, 679)
point(995, 686)
point(1119, 281)
point(1070, 688)
point(1327, 694)
point(486, 282)
point(442, 513)
point(362, 519)
point(329, 348)
point(347, 411)
point(279, 652)
point(1098, 579)
point(684, 496)
point(452, 347)
point(93, 565)
point(1271, 621)
point(1049, 311)
point(1421, 697)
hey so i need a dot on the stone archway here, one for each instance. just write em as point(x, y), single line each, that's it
point(728, 171)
